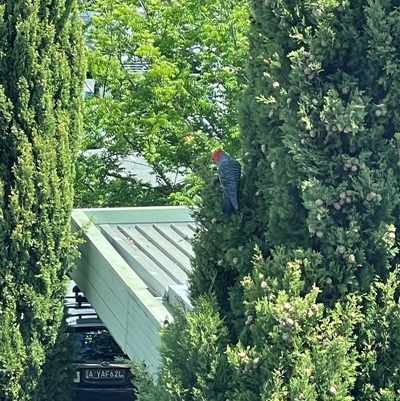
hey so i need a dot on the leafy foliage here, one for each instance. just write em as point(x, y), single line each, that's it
point(41, 76)
point(173, 111)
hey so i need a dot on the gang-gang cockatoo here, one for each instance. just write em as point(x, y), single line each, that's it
point(229, 171)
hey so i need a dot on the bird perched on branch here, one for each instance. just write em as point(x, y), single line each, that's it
point(229, 171)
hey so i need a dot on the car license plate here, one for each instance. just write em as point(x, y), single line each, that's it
point(105, 374)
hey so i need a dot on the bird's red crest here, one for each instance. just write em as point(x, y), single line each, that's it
point(216, 155)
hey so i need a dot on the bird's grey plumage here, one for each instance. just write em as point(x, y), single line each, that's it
point(229, 171)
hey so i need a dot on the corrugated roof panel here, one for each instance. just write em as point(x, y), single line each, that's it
point(156, 279)
point(184, 231)
point(168, 249)
point(159, 253)
point(176, 239)
point(155, 251)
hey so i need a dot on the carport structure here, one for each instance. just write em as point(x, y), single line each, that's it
point(133, 268)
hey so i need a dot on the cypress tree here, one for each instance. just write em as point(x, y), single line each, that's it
point(305, 276)
point(319, 126)
point(41, 78)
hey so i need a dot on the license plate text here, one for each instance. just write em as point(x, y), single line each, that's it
point(104, 374)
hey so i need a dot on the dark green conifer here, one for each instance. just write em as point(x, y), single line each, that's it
point(41, 78)
point(314, 245)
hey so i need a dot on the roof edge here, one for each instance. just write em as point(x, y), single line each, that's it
point(135, 215)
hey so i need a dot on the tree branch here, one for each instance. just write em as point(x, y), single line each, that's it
point(130, 179)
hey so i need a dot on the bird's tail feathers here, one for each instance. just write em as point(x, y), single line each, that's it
point(227, 206)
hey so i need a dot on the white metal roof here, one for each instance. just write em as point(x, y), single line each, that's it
point(133, 268)
point(159, 253)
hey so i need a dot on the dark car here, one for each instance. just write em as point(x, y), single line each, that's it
point(102, 369)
